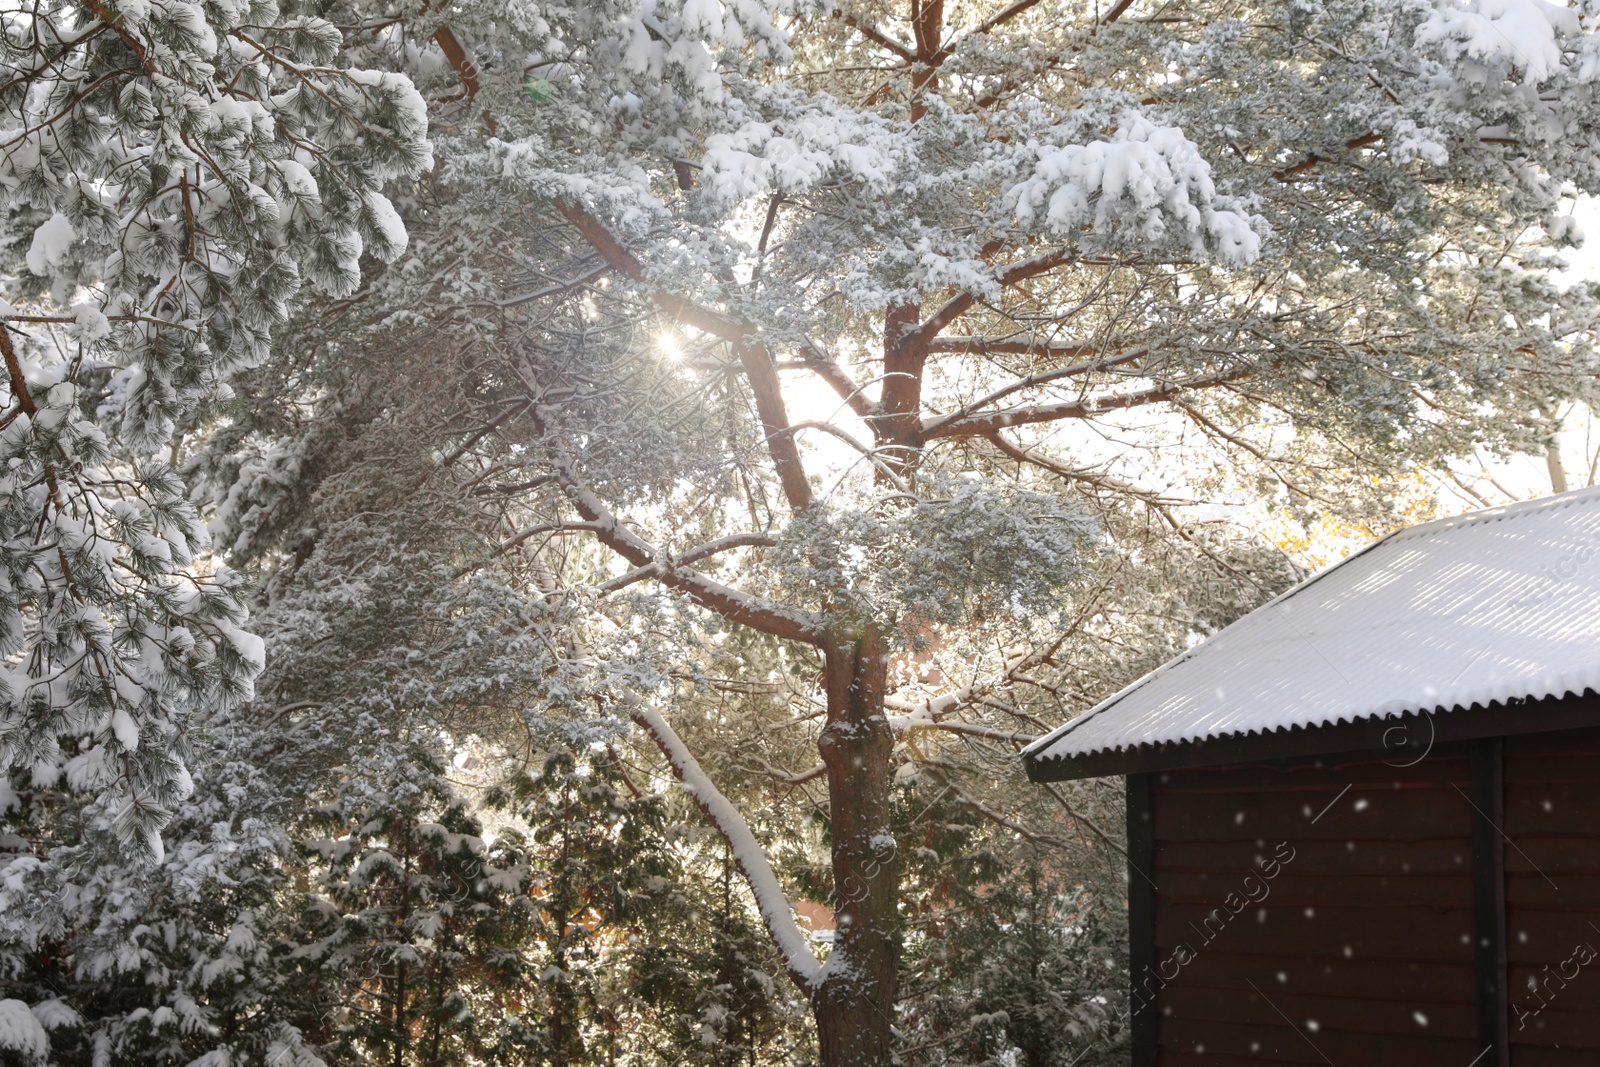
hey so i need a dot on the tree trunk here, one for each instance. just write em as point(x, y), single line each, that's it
point(854, 1004)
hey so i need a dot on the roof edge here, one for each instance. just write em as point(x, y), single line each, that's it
point(1483, 515)
point(1067, 727)
point(1401, 740)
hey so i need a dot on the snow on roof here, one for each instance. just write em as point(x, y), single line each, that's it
point(1489, 606)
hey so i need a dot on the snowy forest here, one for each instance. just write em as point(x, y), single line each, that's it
point(532, 532)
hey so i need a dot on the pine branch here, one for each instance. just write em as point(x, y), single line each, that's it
point(625, 263)
point(877, 37)
point(1100, 481)
point(759, 367)
point(732, 604)
point(872, 455)
point(464, 67)
point(1116, 13)
point(931, 711)
point(549, 290)
point(961, 304)
point(986, 26)
point(972, 803)
point(1290, 173)
point(483, 431)
point(1006, 346)
point(785, 777)
point(818, 362)
point(1042, 378)
point(114, 21)
point(802, 965)
point(988, 733)
point(26, 405)
point(985, 425)
point(694, 555)
point(762, 373)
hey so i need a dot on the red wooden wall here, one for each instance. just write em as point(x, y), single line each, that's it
point(1552, 821)
point(1323, 912)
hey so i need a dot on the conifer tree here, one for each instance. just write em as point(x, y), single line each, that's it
point(411, 940)
point(1271, 244)
point(1062, 276)
point(172, 173)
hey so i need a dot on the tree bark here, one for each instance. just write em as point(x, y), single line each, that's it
point(854, 1002)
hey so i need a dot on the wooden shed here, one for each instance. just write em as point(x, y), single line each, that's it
point(1364, 820)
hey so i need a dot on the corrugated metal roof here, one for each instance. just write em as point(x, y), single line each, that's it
point(1489, 606)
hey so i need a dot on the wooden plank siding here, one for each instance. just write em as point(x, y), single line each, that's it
point(1323, 911)
point(1552, 826)
point(1316, 911)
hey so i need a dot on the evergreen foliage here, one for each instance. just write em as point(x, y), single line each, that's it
point(817, 379)
point(172, 172)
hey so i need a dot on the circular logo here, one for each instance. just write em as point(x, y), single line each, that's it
point(1405, 736)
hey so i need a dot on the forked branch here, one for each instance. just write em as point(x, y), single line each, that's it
point(824, 366)
point(878, 37)
point(732, 604)
point(755, 357)
point(694, 555)
point(958, 306)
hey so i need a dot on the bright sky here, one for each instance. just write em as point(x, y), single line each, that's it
point(1529, 476)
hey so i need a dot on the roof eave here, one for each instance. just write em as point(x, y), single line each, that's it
point(1398, 739)
point(1030, 752)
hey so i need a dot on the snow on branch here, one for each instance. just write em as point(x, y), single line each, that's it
point(982, 425)
point(802, 964)
point(928, 712)
point(1147, 183)
point(732, 604)
point(925, 334)
point(693, 555)
point(1524, 34)
point(620, 259)
point(817, 142)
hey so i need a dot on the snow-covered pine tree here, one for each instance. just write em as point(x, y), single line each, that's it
point(175, 962)
point(598, 866)
point(1041, 264)
point(711, 984)
point(172, 174)
point(1283, 247)
point(411, 942)
point(1033, 972)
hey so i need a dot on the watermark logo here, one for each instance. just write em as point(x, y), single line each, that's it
point(1253, 890)
point(1401, 735)
point(1552, 576)
point(1540, 988)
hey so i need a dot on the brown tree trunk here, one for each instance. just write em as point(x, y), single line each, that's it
point(854, 1004)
